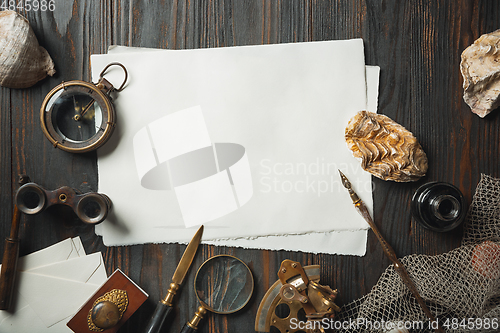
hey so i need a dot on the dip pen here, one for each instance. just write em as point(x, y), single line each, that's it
point(389, 252)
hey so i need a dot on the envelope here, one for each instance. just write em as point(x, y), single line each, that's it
point(52, 285)
point(67, 249)
point(26, 320)
point(55, 291)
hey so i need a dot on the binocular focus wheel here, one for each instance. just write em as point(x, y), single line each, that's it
point(93, 208)
point(30, 199)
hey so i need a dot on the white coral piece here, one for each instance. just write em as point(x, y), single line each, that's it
point(480, 67)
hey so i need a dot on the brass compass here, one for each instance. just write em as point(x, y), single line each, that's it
point(79, 116)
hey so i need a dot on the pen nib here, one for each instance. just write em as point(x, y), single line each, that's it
point(347, 184)
point(345, 181)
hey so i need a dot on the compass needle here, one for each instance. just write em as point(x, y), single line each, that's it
point(87, 107)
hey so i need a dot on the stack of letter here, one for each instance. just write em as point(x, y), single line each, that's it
point(52, 284)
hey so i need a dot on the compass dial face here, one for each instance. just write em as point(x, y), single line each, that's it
point(77, 117)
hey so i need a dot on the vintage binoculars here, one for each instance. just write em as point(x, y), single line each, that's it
point(90, 207)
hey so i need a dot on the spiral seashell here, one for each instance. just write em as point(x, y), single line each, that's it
point(386, 149)
point(22, 61)
point(480, 67)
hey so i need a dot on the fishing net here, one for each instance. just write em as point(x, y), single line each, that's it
point(461, 287)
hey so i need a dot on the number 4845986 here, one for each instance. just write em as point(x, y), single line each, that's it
point(29, 5)
point(472, 323)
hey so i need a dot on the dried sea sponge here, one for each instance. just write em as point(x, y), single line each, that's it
point(386, 149)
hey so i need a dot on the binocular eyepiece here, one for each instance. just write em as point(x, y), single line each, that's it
point(91, 208)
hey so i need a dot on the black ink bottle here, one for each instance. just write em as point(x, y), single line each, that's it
point(438, 206)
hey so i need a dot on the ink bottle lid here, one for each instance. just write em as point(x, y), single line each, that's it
point(438, 206)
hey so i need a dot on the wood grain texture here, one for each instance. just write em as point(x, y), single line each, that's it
point(417, 44)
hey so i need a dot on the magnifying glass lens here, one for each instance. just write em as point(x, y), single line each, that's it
point(224, 284)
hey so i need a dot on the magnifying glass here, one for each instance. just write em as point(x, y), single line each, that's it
point(223, 284)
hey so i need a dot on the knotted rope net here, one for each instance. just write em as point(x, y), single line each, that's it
point(461, 287)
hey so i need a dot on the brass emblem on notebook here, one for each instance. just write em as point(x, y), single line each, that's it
point(107, 310)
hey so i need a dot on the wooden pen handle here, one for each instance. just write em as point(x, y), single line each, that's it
point(398, 266)
point(388, 250)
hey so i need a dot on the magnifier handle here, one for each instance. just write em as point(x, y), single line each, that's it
point(187, 329)
point(156, 322)
point(192, 325)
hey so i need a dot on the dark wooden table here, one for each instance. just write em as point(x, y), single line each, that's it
point(417, 44)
